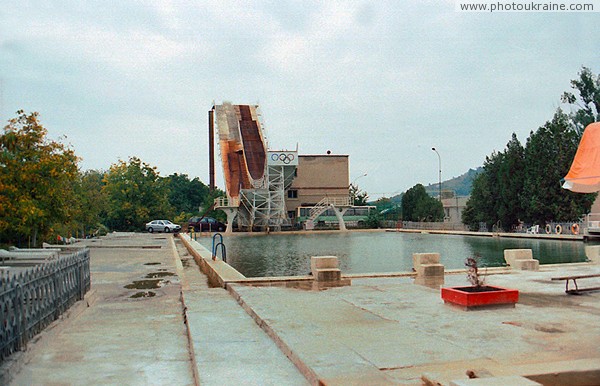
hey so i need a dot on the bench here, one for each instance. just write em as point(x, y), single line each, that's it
point(577, 290)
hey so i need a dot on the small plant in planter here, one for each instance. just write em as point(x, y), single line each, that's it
point(478, 294)
point(473, 272)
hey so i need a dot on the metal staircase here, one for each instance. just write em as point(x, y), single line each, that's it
point(326, 203)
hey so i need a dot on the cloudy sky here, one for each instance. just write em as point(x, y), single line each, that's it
point(380, 81)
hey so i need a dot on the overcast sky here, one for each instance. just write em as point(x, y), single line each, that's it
point(383, 81)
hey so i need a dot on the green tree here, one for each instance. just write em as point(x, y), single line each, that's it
point(524, 183)
point(510, 184)
point(358, 196)
point(548, 156)
point(92, 203)
point(136, 194)
point(495, 198)
point(36, 181)
point(586, 100)
point(417, 205)
point(185, 195)
point(478, 209)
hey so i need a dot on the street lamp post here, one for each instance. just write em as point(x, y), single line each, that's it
point(354, 188)
point(440, 170)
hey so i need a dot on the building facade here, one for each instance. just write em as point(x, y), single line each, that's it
point(317, 176)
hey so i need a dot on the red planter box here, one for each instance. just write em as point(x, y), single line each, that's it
point(470, 297)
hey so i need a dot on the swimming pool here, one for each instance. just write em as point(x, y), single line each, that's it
point(374, 252)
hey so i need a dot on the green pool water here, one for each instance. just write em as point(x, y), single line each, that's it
point(371, 252)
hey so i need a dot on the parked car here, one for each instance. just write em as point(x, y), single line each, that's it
point(162, 226)
point(206, 224)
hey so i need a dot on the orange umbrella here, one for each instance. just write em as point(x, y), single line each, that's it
point(584, 175)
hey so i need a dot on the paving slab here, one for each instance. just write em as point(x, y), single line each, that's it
point(120, 339)
point(391, 330)
point(230, 348)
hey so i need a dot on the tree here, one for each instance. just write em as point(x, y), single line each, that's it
point(477, 209)
point(185, 195)
point(93, 201)
point(417, 205)
point(548, 156)
point(36, 180)
point(510, 184)
point(586, 100)
point(136, 194)
point(524, 183)
point(358, 196)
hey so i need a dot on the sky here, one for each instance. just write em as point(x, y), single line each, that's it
point(382, 82)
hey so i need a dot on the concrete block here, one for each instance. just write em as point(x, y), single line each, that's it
point(327, 274)
point(526, 265)
point(511, 380)
point(425, 258)
point(323, 262)
point(510, 255)
point(426, 270)
point(592, 252)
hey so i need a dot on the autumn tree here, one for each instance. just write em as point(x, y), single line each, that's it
point(36, 181)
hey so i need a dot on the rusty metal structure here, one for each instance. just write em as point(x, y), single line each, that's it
point(255, 178)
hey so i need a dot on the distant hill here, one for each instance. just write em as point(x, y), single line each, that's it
point(461, 185)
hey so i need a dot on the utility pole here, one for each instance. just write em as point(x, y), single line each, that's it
point(440, 170)
point(211, 148)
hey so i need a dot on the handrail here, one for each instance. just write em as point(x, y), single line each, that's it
point(216, 246)
point(226, 202)
point(223, 252)
point(325, 203)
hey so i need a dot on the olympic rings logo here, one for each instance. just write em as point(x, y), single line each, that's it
point(285, 158)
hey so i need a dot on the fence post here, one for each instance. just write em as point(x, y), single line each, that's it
point(21, 317)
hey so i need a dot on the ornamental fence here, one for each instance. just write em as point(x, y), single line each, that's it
point(32, 299)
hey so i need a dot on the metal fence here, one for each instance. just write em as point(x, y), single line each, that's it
point(446, 226)
point(34, 298)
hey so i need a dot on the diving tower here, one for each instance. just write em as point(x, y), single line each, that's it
point(255, 179)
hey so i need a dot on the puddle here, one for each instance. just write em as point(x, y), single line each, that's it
point(551, 330)
point(144, 284)
point(144, 294)
point(152, 264)
point(155, 275)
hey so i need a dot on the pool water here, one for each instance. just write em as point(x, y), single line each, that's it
point(378, 252)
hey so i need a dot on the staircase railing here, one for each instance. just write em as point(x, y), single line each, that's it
point(325, 203)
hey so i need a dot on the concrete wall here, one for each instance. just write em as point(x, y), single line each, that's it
point(317, 177)
point(453, 208)
point(596, 205)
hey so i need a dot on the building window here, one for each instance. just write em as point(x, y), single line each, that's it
point(292, 193)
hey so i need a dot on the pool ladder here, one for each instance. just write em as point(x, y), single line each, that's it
point(215, 247)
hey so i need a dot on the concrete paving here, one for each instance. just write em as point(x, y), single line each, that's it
point(378, 331)
point(182, 333)
point(119, 339)
point(392, 331)
point(230, 348)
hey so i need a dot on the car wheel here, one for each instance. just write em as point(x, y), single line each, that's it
point(167, 230)
point(221, 229)
point(150, 230)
